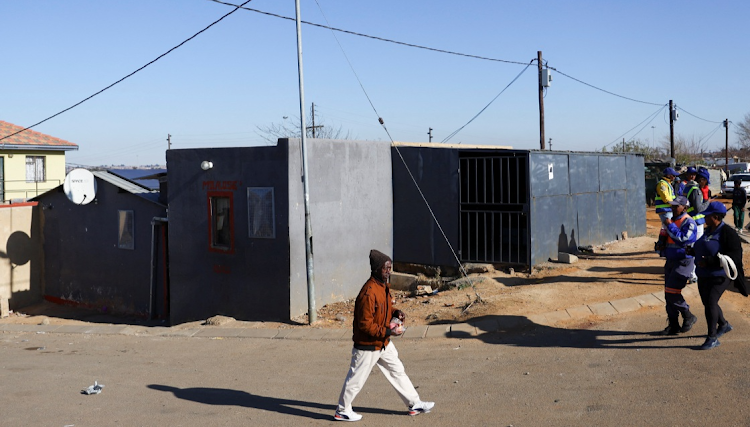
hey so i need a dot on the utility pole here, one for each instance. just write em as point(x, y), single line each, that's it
point(726, 149)
point(430, 134)
point(623, 145)
point(313, 127)
point(541, 101)
point(671, 129)
point(169, 142)
point(312, 313)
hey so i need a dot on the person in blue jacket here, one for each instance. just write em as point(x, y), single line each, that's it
point(681, 234)
point(714, 271)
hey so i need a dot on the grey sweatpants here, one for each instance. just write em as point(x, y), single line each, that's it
point(387, 360)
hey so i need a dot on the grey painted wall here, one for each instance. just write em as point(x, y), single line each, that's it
point(351, 212)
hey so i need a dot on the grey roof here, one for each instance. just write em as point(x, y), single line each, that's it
point(128, 185)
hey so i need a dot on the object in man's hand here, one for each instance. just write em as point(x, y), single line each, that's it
point(396, 326)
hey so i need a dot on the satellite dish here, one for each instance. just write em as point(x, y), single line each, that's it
point(80, 186)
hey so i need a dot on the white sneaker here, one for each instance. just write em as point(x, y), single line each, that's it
point(346, 416)
point(421, 407)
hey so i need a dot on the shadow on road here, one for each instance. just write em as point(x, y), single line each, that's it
point(229, 397)
point(522, 332)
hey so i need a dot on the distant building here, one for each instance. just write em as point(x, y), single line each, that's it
point(30, 162)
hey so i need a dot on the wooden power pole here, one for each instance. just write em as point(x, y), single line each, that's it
point(541, 101)
point(671, 129)
point(726, 149)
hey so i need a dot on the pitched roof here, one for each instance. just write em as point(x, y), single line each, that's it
point(31, 138)
point(128, 185)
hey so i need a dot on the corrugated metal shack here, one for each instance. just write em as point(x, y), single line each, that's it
point(511, 207)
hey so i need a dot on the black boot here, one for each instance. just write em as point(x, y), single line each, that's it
point(673, 328)
point(689, 320)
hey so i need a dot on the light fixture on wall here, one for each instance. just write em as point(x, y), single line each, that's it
point(206, 165)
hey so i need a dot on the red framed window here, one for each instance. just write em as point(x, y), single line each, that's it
point(221, 221)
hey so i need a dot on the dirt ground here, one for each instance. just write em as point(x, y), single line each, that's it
point(620, 269)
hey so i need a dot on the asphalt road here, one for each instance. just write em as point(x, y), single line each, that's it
point(615, 374)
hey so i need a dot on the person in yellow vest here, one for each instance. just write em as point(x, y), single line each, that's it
point(664, 195)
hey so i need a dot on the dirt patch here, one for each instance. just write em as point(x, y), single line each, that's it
point(617, 270)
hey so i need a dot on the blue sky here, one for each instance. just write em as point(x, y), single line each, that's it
point(242, 73)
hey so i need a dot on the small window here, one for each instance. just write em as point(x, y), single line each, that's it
point(125, 230)
point(260, 213)
point(221, 215)
point(35, 171)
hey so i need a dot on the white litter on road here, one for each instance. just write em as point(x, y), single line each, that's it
point(93, 389)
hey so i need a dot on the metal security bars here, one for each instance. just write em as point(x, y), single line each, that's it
point(494, 207)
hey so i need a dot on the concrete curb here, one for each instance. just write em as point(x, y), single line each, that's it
point(456, 330)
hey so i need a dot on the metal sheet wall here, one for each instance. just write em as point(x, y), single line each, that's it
point(605, 198)
point(547, 202)
point(416, 237)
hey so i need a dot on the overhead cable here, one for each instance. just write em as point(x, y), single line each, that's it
point(129, 75)
point(372, 37)
point(711, 133)
point(699, 118)
point(647, 121)
point(351, 67)
point(411, 175)
point(600, 89)
point(490, 103)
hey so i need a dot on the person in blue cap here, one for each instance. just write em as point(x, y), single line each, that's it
point(697, 202)
point(679, 266)
point(694, 194)
point(687, 177)
point(664, 195)
point(713, 252)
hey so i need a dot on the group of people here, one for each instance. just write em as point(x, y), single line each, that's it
point(698, 246)
point(694, 240)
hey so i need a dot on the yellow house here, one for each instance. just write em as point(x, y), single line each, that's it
point(31, 163)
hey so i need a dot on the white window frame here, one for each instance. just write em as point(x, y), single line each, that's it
point(38, 167)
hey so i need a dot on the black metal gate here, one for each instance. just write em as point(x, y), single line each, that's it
point(494, 207)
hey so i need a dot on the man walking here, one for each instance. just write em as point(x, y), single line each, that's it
point(739, 199)
point(681, 233)
point(375, 321)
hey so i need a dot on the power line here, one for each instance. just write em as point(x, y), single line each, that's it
point(129, 75)
point(486, 106)
point(426, 48)
point(600, 89)
point(690, 114)
point(711, 133)
point(398, 151)
point(648, 120)
point(371, 37)
point(348, 62)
